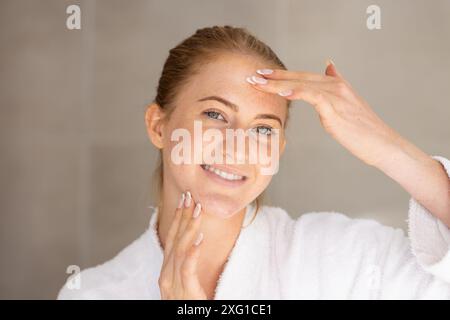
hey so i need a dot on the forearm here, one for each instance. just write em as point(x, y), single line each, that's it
point(423, 177)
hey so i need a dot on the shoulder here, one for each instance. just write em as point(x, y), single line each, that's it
point(108, 279)
point(326, 227)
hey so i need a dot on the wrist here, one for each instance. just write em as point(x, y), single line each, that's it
point(399, 154)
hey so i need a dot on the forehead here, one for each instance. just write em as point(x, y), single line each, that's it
point(225, 76)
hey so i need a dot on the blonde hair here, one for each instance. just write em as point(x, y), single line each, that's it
point(187, 57)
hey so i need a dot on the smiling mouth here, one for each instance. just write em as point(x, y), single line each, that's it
point(223, 174)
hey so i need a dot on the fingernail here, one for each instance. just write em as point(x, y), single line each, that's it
point(285, 93)
point(180, 204)
point(249, 80)
point(329, 61)
point(199, 239)
point(187, 200)
point(264, 71)
point(198, 208)
point(259, 80)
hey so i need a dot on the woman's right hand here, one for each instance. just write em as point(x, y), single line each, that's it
point(178, 279)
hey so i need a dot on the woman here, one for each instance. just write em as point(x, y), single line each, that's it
point(209, 238)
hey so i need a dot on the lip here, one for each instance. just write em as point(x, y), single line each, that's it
point(227, 169)
point(218, 179)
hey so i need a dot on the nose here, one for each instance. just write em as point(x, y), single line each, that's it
point(235, 146)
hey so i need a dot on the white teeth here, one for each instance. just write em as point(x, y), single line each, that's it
point(223, 174)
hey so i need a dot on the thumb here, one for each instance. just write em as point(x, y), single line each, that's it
point(331, 69)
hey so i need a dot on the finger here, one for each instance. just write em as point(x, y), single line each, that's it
point(333, 82)
point(331, 69)
point(174, 226)
point(280, 74)
point(187, 239)
point(176, 254)
point(307, 91)
point(189, 273)
point(280, 86)
point(285, 87)
point(168, 268)
point(337, 87)
point(183, 242)
point(187, 213)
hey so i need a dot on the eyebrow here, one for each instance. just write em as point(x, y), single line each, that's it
point(236, 108)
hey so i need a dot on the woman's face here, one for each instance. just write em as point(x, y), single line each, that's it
point(219, 98)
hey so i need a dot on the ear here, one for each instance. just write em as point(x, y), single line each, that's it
point(154, 121)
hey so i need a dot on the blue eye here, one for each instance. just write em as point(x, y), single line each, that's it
point(214, 115)
point(264, 130)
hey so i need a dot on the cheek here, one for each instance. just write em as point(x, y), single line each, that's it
point(178, 123)
point(261, 182)
point(179, 165)
point(182, 176)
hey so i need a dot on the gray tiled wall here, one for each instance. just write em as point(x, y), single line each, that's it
point(76, 165)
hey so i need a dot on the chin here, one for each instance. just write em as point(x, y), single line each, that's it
point(221, 206)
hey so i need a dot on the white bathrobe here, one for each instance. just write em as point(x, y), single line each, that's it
point(320, 255)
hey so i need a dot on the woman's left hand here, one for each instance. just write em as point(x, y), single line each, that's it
point(350, 121)
point(343, 114)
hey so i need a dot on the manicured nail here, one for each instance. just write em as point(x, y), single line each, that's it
point(259, 80)
point(249, 80)
point(180, 204)
point(199, 239)
point(264, 71)
point(187, 200)
point(285, 93)
point(198, 208)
